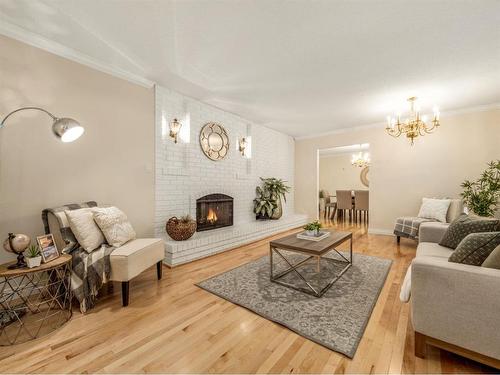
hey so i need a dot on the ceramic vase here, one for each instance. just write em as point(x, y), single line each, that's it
point(34, 262)
point(278, 211)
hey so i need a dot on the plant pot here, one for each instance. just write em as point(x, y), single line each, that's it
point(261, 217)
point(312, 232)
point(178, 230)
point(278, 211)
point(34, 262)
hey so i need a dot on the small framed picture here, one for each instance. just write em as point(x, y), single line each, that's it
point(48, 247)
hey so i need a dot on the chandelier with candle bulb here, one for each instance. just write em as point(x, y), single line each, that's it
point(361, 160)
point(414, 126)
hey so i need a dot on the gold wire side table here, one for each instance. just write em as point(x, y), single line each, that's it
point(34, 301)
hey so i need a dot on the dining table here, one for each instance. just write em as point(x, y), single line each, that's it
point(331, 215)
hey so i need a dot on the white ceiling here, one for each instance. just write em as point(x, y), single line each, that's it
point(301, 67)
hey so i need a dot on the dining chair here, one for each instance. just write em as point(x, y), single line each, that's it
point(329, 205)
point(361, 204)
point(344, 203)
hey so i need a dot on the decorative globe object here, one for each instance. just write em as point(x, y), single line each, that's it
point(17, 243)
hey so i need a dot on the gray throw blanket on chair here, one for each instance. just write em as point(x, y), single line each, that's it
point(89, 270)
point(408, 226)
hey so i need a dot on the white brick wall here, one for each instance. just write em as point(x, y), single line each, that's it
point(184, 173)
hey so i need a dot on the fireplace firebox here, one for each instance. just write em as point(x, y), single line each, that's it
point(214, 211)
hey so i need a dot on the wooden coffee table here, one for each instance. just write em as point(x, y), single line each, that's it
point(314, 251)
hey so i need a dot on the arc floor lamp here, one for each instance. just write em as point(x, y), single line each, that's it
point(64, 128)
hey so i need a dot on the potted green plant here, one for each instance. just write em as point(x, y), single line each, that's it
point(482, 196)
point(312, 229)
point(33, 256)
point(264, 204)
point(277, 189)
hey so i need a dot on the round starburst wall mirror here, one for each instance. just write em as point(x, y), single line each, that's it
point(214, 141)
point(364, 176)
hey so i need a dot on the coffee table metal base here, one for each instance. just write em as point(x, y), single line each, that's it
point(294, 268)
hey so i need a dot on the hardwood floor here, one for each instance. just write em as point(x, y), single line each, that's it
point(173, 326)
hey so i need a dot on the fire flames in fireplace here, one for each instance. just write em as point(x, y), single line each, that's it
point(214, 211)
point(212, 216)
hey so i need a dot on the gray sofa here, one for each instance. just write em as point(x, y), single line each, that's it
point(455, 306)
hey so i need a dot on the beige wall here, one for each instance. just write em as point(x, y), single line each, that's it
point(337, 173)
point(112, 163)
point(400, 175)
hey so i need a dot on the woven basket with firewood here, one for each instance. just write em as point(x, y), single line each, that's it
point(180, 229)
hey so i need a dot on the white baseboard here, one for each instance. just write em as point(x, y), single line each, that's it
point(384, 232)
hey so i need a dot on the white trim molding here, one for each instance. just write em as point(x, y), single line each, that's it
point(18, 33)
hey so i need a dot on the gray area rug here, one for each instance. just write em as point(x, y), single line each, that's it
point(337, 320)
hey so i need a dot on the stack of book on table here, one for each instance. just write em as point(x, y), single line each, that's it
point(315, 237)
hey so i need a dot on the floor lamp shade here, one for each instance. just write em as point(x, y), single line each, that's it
point(64, 128)
point(67, 129)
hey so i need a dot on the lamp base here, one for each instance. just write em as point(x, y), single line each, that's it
point(20, 263)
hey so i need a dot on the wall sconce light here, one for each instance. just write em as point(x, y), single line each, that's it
point(242, 145)
point(175, 127)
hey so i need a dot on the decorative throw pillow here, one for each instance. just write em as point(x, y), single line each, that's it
point(493, 260)
point(434, 209)
point(86, 231)
point(455, 210)
point(475, 248)
point(464, 225)
point(114, 224)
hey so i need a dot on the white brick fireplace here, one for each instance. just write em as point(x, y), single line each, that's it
point(184, 173)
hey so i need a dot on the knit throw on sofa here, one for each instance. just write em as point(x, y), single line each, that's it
point(408, 226)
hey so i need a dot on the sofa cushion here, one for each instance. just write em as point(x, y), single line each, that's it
point(86, 231)
point(434, 209)
point(493, 260)
point(431, 249)
point(475, 248)
point(464, 225)
point(432, 231)
point(134, 257)
point(455, 210)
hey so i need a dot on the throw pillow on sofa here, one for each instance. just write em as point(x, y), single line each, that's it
point(464, 225)
point(493, 260)
point(85, 229)
point(434, 209)
point(455, 210)
point(475, 248)
point(114, 224)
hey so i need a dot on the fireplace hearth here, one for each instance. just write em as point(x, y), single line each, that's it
point(214, 211)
